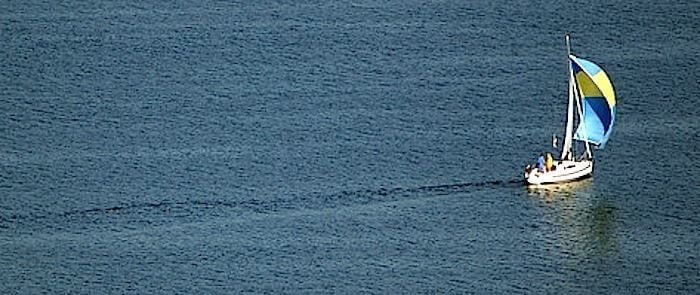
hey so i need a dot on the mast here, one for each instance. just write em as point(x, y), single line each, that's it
point(567, 149)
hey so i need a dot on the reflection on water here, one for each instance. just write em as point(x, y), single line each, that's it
point(551, 192)
point(583, 222)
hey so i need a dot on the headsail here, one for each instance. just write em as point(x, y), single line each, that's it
point(598, 100)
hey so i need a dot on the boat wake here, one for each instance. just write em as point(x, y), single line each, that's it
point(168, 209)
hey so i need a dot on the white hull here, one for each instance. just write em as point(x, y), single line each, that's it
point(565, 171)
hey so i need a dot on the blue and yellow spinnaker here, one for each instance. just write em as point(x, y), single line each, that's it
point(598, 101)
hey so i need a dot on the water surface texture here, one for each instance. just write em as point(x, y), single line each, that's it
point(341, 146)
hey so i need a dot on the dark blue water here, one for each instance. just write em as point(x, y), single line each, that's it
point(341, 146)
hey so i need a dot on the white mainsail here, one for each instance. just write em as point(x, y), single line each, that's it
point(566, 150)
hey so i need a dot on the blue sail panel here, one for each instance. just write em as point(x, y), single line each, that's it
point(597, 122)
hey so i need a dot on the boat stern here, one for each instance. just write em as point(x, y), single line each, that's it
point(531, 175)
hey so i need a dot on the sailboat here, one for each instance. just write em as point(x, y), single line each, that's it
point(592, 102)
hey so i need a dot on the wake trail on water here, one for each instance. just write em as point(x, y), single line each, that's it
point(311, 201)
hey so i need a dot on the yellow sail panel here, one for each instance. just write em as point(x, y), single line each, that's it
point(587, 86)
point(603, 82)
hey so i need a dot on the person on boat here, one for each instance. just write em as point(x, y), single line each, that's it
point(540, 163)
point(550, 162)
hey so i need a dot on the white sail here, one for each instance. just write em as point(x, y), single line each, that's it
point(584, 138)
point(566, 150)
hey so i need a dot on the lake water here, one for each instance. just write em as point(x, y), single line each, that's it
point(341, 147)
